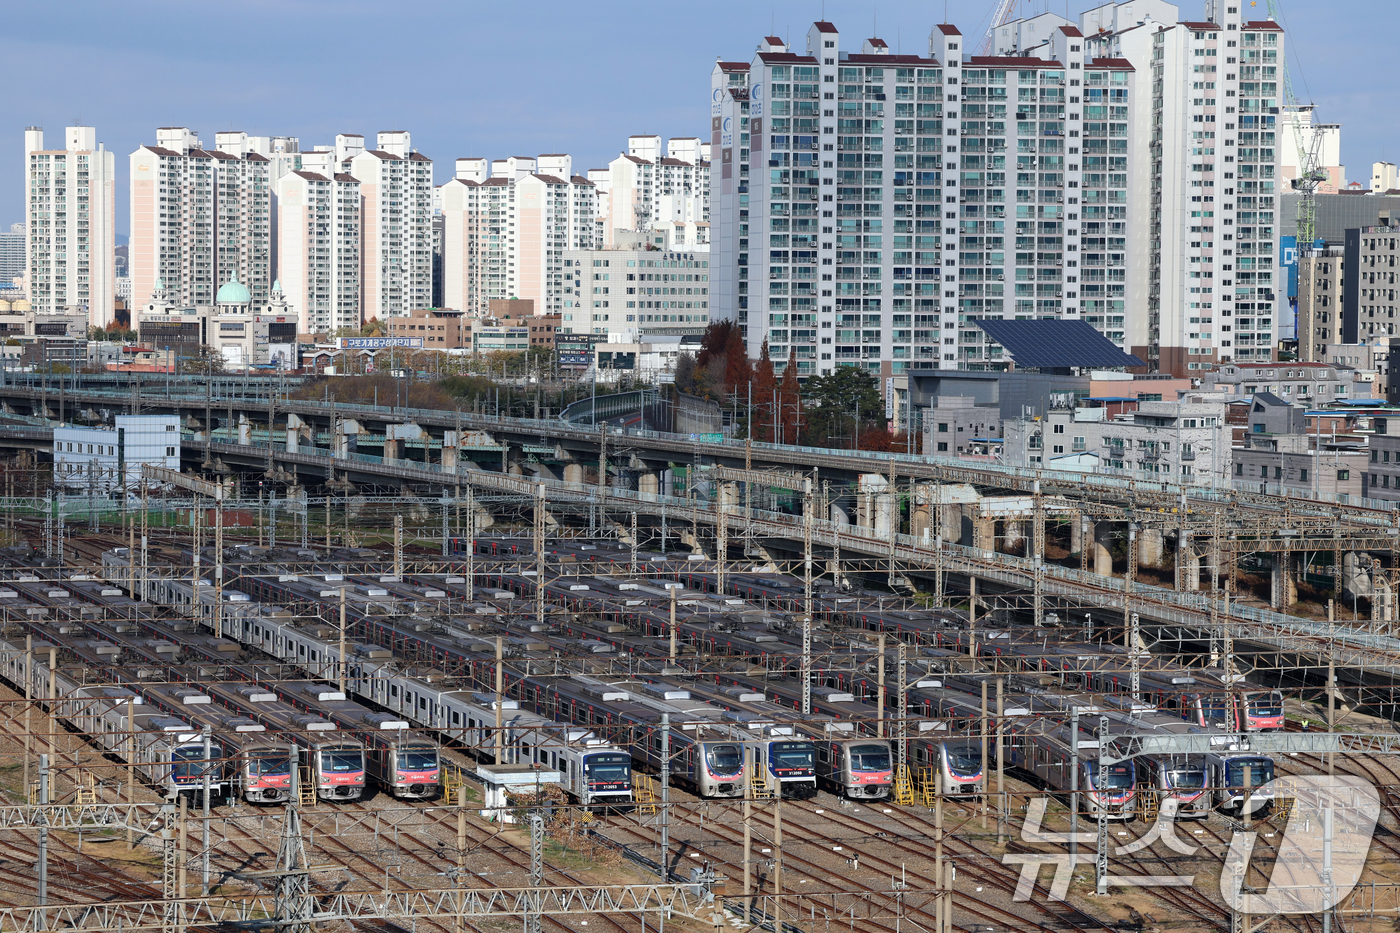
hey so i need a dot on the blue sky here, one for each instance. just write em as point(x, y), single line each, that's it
point(503, 79)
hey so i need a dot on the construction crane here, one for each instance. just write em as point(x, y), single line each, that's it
point(1005, 13)
point(1310, 171)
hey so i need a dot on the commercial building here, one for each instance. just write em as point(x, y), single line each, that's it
point(506, 227)
point(439, 329)
point(241, 333)
point(70, 216)
point(1346, 293)
point(634, 292)
point(1281, 458)
point(105, 459)
point(200, 218)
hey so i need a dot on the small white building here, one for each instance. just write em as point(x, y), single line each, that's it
point(100, 458)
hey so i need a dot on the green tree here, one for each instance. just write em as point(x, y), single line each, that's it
point(833, 401)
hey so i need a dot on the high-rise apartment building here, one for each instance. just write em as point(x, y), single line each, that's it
point(200, 217)
point(852, 230)
point(70, 215)
point(396, 221)
point(318, 248)
point(506, 226)
point(643, 191)
point(871, 206)
point(1208, 164)
point(12, 255)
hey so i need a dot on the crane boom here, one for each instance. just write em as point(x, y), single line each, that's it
point(1000, 17)
point(1309, 146)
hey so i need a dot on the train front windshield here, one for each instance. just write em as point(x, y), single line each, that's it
point(1114, 777)
point(1266, 704)
point(870, 758)
point(964, 759)
point(1186, 778)
point(187, 763)
point(1261, 771)
point(344, 761)
point(608, 768)
point(418, 759)
point(724, 759)
point(271, 765)
point(794, 759)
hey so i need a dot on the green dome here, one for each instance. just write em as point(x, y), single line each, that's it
point(232, 293)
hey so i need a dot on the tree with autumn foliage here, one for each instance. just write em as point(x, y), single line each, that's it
point(790, 420)
point(765, 384)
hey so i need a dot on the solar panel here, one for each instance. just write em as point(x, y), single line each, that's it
point(1057, 345)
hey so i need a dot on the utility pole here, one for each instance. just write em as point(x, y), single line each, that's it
point(807, 597)
point(398, 547)
point(341, 679)
point(539, 551)
point(880, 688)
point(1101, 850)
point(500, 690)
point(665, 821)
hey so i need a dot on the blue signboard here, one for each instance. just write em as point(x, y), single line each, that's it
point(1288, 260)
point(379, 343)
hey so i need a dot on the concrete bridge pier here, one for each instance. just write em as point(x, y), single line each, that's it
point(573, 473)
point(396, 434)
point(1103, 549)
point(245, 430)
point(1013, 536)
point(298, 431)
point(1151, 545)
point(1283, 588)
point(1076, 532)
point(1356, 575)
point(347, 436)
point(648, 484)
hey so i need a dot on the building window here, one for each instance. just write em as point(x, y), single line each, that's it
point(942, 446)
point(1343, 475)
point(943, 427)
point(1303, 475)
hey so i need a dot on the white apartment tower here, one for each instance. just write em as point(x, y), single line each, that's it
point(199, 218)
point(506, 226)
point(70, 224)
point(396, 219)
point(1209, 173)
point(646, 191)
point(318, 237)
point(851, 230)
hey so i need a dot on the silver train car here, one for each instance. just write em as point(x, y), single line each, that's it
point(592, 770)
point(336, 760)
point(398, 758)
point(1237, 776)
point(1048, 752)
point(164, 750)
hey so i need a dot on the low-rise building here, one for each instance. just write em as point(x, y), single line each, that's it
point(956, 422)
point(103, 459)
point(1293, 464)
point(1310, 383)
point(440, 328)
point(1180, 441)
